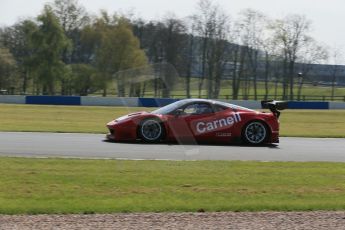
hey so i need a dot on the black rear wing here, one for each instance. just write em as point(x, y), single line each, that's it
point(274, 106)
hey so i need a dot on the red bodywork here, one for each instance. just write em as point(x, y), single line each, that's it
point(219, 127)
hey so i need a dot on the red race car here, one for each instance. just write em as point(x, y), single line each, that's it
point(199, 120)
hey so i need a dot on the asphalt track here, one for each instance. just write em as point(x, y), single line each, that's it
point(93, 146)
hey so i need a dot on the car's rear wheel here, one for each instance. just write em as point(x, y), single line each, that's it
point(151, 130)
point(255, 133)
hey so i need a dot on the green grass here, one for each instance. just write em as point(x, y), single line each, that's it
point(313, 123)
point(47, 118)
point(82, 119)
point(32, 186)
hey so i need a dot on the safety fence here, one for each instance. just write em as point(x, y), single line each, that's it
point(148, 102)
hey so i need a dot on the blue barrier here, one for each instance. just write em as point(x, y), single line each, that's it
point(155, 102)
point(146, 102)
point(307, 105)
point(53, 100)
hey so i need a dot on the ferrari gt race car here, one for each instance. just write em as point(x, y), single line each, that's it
point(199, 120)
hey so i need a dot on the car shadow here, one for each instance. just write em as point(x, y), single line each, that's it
point(166, 143)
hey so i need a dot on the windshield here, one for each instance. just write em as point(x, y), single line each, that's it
point(169, 108)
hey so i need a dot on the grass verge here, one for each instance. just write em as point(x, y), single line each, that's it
point(68, 119)
point(313, 123)
point(83, 119)
point(33, 186)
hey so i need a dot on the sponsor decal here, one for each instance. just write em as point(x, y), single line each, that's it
point(223, 134)
point(203, 127)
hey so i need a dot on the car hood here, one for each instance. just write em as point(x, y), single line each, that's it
point(131, 115)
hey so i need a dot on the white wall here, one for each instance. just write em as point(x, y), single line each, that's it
point(9, 99)
point(336, 105)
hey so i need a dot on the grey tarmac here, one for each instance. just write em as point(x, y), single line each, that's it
point(25, 144)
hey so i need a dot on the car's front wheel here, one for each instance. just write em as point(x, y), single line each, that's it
point(255, 133)
point(151, 130)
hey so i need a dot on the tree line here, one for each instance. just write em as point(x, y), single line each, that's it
point(67, 51)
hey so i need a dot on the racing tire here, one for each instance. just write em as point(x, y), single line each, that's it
point(255, 133)
point(151, 130)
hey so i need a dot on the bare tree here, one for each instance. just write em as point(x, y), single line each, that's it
point(336, 59)
point(252, 24)
point(188, 54)
point(72, 16)
point(218, 55)
point(205, 27)
point(212, 26)
point(313, 53)
point(237, 55)
point(173, 42)
point(291, 34)
point(271, 55)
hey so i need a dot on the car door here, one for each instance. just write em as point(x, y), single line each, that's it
point(183, 124)
point(215, 126)
point(224, 123)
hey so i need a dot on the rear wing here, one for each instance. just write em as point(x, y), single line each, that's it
point(274, 106)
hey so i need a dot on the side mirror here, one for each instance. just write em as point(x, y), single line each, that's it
point(178, 112)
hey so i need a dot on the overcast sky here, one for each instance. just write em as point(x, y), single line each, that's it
point(328, 16)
